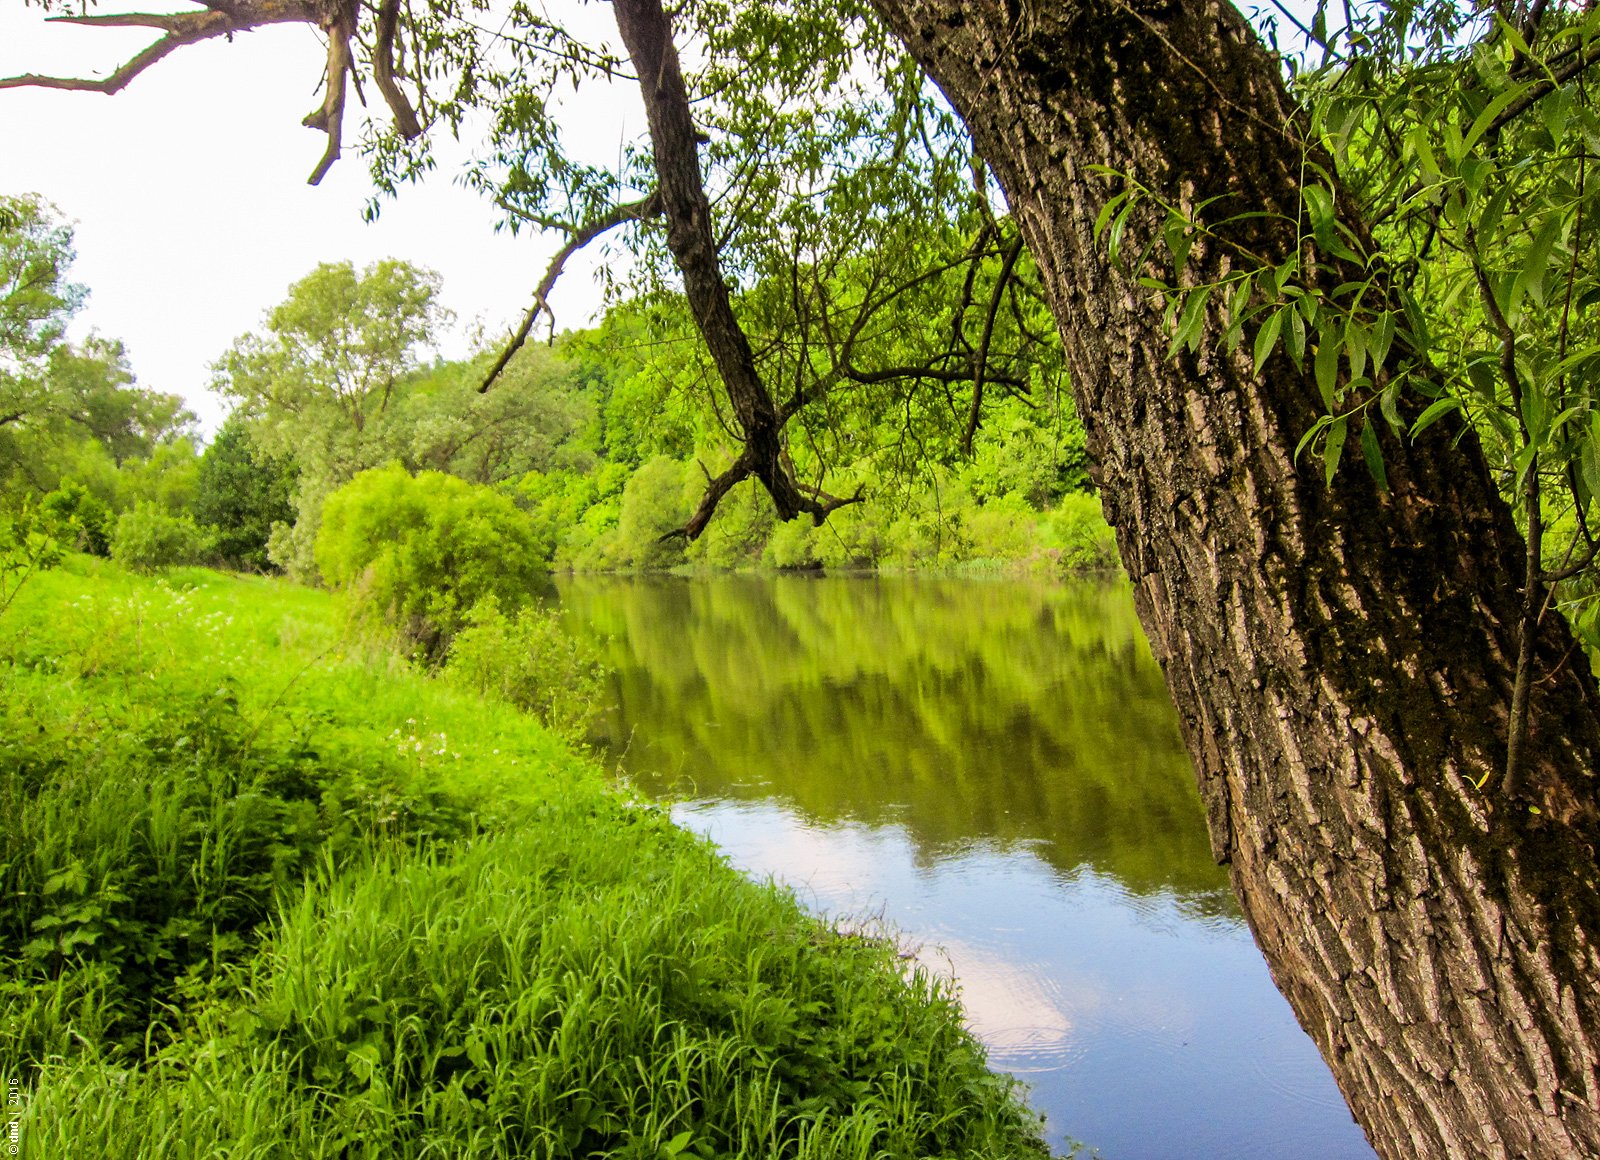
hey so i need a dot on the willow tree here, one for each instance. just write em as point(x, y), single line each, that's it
point(1343, 646)
point(1342, 651)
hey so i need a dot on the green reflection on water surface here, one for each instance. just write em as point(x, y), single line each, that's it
point(962, 710)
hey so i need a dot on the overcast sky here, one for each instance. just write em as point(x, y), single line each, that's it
point(189, 197)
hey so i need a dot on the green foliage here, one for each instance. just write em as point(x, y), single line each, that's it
point(149, 539)
point(84, 520)
point(531, 420)
point(240, 492)
point(1446, 256)
point(232, 923)
point(82, 416)
point(529, 661)
point(418, 552)
point(28, 546)
point(335, 384)
point(36, 300)
point(94, 393)
point(320, 381)
point(657, 500)
point(1078, 531)
point(142, 855)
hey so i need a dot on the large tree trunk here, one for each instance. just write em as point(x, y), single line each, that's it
point(1342, 660)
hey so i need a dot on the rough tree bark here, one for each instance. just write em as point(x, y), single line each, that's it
point(1341, 659)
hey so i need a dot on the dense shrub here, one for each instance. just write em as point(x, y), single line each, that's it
point(656, 501)
point(1078, 530)
point(789, 546)
point(27, 547)
point(417, 552)
point(82, 518)
point(530, 662)
point(139, 857)
point(148, 539)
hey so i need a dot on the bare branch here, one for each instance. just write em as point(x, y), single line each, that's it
point(405, 117)
point(645, 207)
point(181, 28)
point(340, 27)
point(935, 374)
point(981, 360)
point(715, 489)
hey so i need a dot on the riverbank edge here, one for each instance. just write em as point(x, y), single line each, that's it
point(558, 971)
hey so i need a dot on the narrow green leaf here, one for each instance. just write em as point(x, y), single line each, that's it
point(1388, 403)
point(1373, 454)
point(1238, 300)
point(1436, 411)
point(1355, 347)
point(1179, 240)
point(1483, 374)
point(1192, 323)
point(1493, 210)
point(1535, 266)
point(1337, 430)
point(1380, 339)
point(1267, 336)
point(1417, 141)
point(1493, 109)
point(1322, 421)
point(1326, 369)
point(1294, 337)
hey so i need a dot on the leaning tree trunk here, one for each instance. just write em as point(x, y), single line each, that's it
point(1341, 659)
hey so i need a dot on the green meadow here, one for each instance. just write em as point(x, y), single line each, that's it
point(271, 890)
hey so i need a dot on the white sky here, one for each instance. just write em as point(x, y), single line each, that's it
point(188, 192)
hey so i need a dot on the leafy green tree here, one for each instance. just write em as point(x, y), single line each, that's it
point(1382, 722)
point(36, 299)
point(83, 520)
point(58, 400)
point(320, 379)
point(94, 391)
point(419, 552)
point(240, 493)
point(531, 421)
point(655, 503)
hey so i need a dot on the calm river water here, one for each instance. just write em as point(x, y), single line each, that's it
point(992, 769)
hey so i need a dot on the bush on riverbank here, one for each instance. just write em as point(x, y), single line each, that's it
point(266, 893)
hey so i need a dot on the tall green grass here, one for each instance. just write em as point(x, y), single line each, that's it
point(267, 891)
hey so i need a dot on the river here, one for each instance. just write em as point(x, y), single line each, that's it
point(991, 770)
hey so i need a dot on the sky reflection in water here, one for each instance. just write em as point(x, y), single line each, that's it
point(990, 769)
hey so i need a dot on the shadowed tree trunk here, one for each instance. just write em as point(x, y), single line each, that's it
point(1342, 660)
point(647, 32)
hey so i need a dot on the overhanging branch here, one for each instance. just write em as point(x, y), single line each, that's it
point(645, 207)
point(181, 28)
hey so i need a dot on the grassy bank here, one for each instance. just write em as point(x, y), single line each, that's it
point(269, 892)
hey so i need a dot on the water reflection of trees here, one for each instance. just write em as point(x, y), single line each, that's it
point(960, 710)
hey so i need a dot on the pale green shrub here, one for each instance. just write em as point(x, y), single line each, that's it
point(529, 661)
point(417, 552)
point(149, 539)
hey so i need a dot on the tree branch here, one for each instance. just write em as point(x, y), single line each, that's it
point(181, 28)
point(647, 31)
point(935, 374)
point(980, 361)
point(405, 117)
point(340, 27)
point(646, 207)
